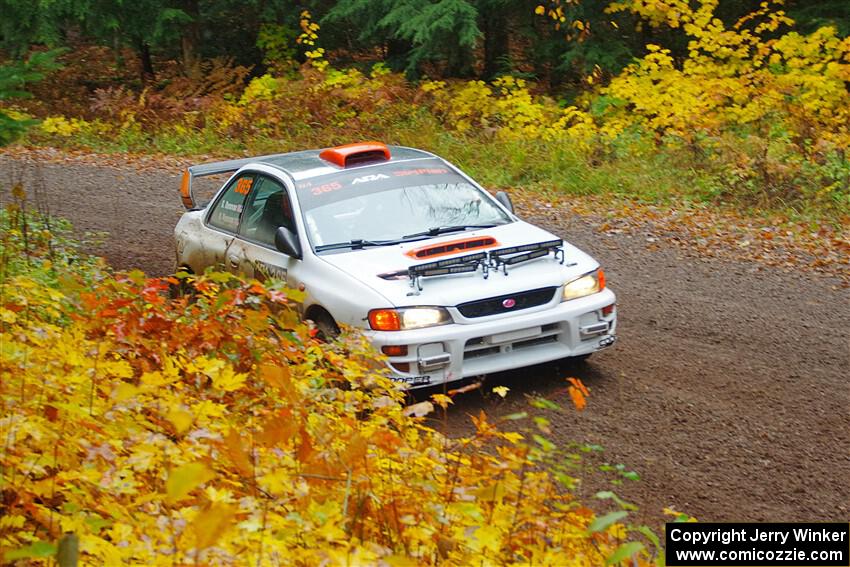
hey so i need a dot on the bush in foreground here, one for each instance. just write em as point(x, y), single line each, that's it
point(216, 430)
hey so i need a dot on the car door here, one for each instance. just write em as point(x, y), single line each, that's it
point(267, 208)
point(222, 223)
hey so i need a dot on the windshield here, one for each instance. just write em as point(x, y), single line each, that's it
point(395, 204)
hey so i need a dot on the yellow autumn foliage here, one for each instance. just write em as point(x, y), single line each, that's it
point(212, 429)
point(738, 76)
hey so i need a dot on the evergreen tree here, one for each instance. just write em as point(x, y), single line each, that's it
point(13, 81)
point(444, 31)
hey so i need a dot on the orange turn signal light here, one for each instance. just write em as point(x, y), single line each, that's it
point(600, 277)
point(384, 320)
point(394, 350)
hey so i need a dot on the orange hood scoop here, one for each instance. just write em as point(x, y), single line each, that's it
point(452, 246)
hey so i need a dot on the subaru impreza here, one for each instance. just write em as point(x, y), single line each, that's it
point(442, 276)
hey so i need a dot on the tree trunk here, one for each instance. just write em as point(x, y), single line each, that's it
point(459, 62)
point(146, 62)
point(116, 51)
point(496, 38)
point(190, 40)
point(396, 53)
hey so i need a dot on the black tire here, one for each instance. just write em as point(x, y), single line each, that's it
point(325, 325)
point(183, 287)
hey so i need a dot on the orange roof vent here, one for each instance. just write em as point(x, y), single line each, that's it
point(356, 154)
point(452, 246)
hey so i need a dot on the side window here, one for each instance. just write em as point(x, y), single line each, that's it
point(227, 210)
point(268, 208)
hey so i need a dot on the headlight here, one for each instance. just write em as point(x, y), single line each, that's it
point(587, 284)
point(406, 318)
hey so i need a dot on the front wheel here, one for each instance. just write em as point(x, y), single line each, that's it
point(326, 327)
point(183, 285)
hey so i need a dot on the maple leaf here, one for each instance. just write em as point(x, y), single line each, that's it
point(212, 523)
point(184, 479)
point(420, 409)
point(501, 391)
point(578, 393)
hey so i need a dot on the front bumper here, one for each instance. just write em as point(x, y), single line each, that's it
point(472, 347)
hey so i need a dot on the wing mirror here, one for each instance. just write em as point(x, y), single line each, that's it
point(505, 199)
point(285, 241)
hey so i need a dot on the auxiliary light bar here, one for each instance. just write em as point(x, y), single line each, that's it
point(493, 259)
point(470, 260)
point(547, 245)
point(527, 256)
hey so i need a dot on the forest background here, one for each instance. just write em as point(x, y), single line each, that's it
point(743, 103)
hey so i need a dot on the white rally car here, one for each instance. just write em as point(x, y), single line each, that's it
point(441, 276)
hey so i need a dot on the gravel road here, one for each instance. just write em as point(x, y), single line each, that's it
point(728, 392)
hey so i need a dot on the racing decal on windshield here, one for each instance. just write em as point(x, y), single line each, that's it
point(368, 178)
point(375, 179)
point(232, 207)
point(326, 188)
point(243, 186)
point(226, 215)
point(420, 171)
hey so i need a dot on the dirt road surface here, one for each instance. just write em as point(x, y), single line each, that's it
point(728, 392)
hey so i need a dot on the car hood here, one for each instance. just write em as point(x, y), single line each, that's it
point(367, 264)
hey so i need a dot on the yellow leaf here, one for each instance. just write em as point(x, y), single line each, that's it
point(356, 449)
point(278, 375)
point(540, 10)
point(420, 409)
point(228, 380)
point(487, 537)
point(278, 429)
point(234, 447)
point(494, 492)
point(153, 379)
point(184, 479)
point(212, 523)
point(442, 400)
point(125, 391)
point(501, 391)
point(180, 419)
point(512, 437)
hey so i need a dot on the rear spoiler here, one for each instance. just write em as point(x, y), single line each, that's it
point(205, 169)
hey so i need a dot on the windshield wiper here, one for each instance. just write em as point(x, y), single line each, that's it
point(356, 244)
point(438, 230)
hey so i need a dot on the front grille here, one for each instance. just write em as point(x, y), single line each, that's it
point(495, 305)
